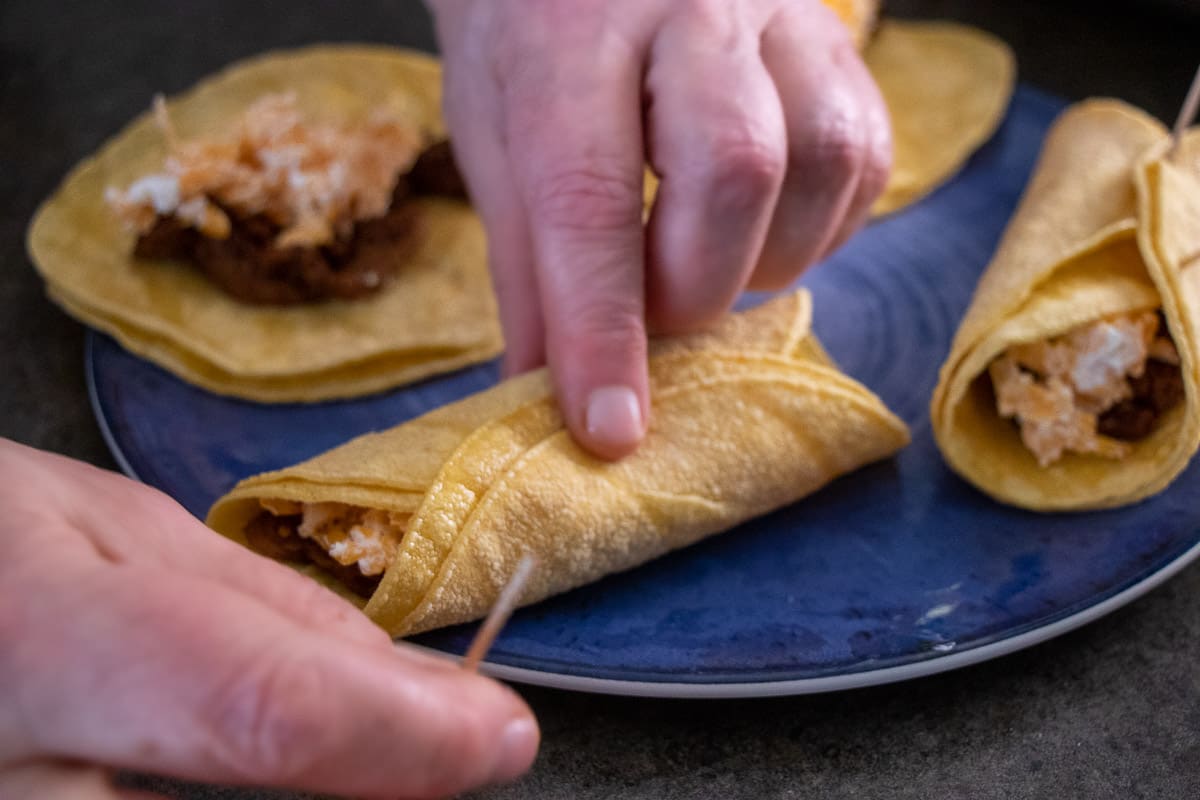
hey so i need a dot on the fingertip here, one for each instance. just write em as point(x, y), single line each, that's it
point(614, 423)
point(519, 744)
point(485, 734)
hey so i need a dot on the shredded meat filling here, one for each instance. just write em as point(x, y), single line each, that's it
point(354, 545)
point(1093, 390)
point(312, 179)
point(436, 173)
point(287, 211)
point(249, 265)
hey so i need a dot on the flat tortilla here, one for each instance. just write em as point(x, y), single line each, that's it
point(947, 87)
point(437, 313)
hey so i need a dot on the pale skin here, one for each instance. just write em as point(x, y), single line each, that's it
point(771, 139)
point(137, 638)
point(131, 637)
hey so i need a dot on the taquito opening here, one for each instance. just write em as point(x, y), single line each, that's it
point(355, 545)
point(1096, 389)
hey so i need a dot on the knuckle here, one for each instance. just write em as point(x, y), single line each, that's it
point(747, 162)
point(606, 324)
point(588, 198)
point(603, 335)
point(273, 722)
point(838, 145)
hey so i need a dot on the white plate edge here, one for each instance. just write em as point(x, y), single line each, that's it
point(838, 683)
point(89, 377)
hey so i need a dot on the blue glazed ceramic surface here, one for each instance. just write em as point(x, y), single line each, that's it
point(899, 564)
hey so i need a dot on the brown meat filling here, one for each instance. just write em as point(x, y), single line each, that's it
point(436, 174)
point(1155, 392)
point(250, 266)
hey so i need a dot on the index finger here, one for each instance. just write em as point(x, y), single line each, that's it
point(575, 145)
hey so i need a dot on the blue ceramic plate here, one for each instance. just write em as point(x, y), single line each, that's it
point(895, 571)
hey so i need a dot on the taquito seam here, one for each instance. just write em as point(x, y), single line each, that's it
point(1102, 238)
point(463, 534)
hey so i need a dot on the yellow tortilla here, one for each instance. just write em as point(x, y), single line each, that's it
point(947, 88)
point(437, 314)
point(860, 16)
point(1106, 226)
point(746, 419)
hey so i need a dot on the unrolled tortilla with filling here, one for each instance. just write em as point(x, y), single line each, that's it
point(1072, 380)
point(435, 313)
point(422, 524)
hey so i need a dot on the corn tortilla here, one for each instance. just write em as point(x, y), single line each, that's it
point(1106, 226)
point(746, 419)
point(436, 314)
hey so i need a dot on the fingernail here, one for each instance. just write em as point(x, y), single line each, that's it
point(614, 416)
point(518, 747)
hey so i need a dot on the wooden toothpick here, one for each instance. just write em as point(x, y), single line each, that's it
point(505, 604)
point(1187, 114)
point(162, 117)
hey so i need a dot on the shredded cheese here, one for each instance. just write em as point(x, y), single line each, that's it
point(313, 179)
point(1058, 389)
point(351, 535)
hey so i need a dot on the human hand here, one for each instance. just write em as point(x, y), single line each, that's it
point(133, 637)
point(768, 133)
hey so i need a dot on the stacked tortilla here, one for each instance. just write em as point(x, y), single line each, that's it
point(947, 87)
point(437, 312)
point(746, 419)
point(1110, 225)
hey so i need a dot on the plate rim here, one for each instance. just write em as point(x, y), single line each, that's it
point(847, 681)
point(682, 690)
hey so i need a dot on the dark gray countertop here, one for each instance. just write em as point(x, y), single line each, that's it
point(1112, 710)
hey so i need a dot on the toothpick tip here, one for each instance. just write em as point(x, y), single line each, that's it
point(1187, 114)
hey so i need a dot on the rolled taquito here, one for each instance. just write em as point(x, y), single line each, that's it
point(423, 523)
point(1072, 381)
